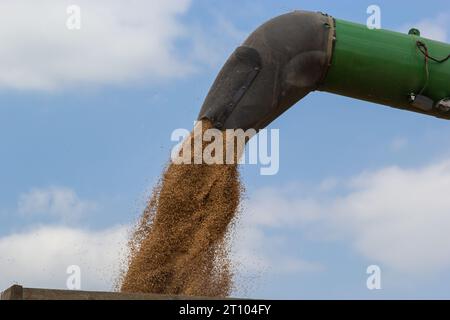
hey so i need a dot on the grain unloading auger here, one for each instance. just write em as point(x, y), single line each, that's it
point(297, 53)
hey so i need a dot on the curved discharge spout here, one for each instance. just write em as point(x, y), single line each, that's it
point(297, 53)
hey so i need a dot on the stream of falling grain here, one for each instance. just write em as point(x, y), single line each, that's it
point(178, 246)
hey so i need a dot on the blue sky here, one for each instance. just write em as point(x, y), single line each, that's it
point(85, 124)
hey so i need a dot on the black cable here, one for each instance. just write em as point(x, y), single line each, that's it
point(422, 46)
point(424, 49)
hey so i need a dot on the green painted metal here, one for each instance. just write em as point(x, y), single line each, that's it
point(385, 67)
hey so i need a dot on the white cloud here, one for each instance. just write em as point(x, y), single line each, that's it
point(256, 252)
point(57, 202)
point(118, 42)
point(399, 144)
point(398, 218)
point(40, 257)
point(395, 217)
point(256, 248)
point(279, 208)
point(328, 184)
point(436, 28)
